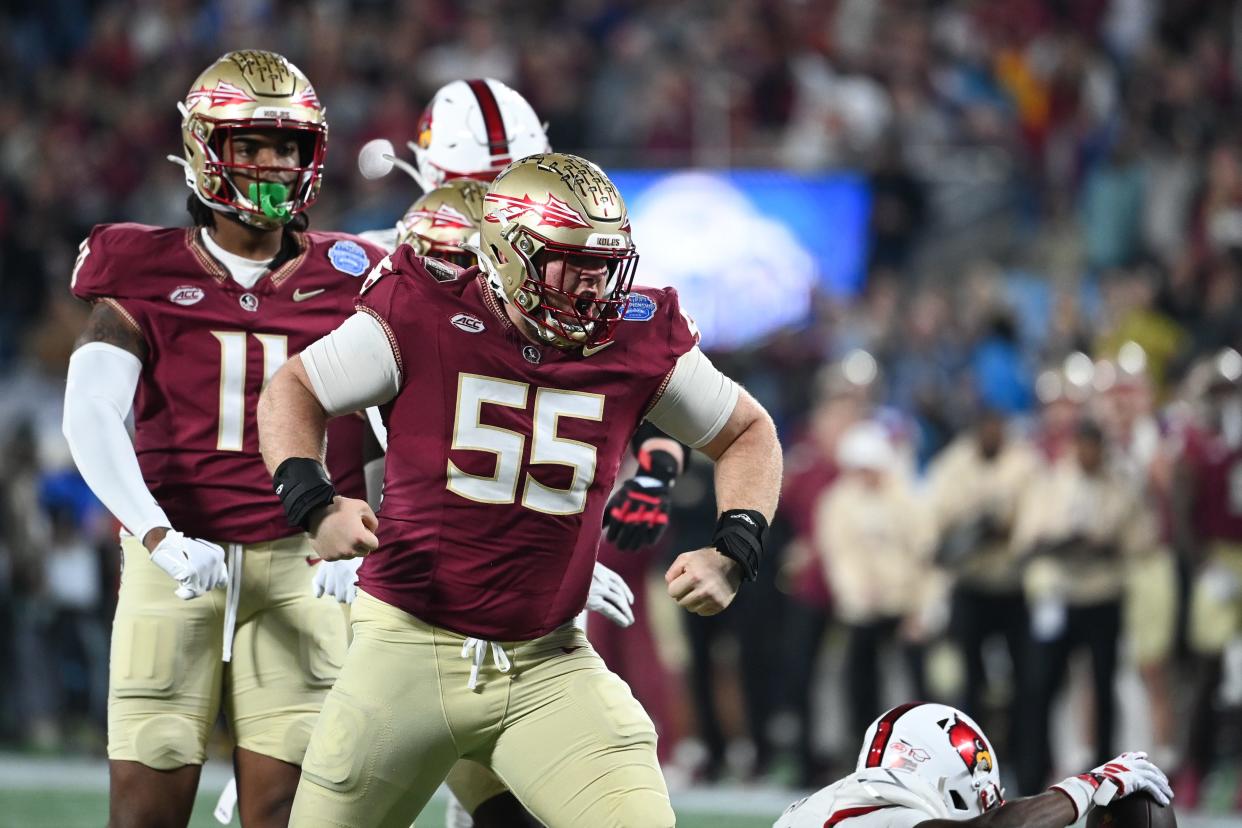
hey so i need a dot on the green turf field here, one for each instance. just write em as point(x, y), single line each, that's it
point(84, 809)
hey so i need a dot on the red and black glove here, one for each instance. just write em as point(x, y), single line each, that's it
point(637, 514)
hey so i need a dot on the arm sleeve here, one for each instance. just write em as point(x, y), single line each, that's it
point(696, 402)
point(353, 367)
point(99, 394)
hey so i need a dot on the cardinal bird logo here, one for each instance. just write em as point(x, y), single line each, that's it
point(223, 94)
point(552, 213)
point(969, 744)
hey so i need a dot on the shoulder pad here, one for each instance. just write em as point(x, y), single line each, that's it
point(350, 255)
point(115, 260)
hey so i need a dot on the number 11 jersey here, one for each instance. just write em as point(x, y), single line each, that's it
point(212, 345)
point(501, 452)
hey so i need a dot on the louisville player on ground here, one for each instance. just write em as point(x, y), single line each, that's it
point(930, 766)
point(187, 325)
point(502, 452)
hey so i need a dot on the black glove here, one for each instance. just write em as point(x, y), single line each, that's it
point(637, 513)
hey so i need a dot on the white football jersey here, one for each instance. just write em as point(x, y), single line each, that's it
point(872, 798)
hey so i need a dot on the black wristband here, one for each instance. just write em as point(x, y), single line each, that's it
point(739, 535)
point(303, 485)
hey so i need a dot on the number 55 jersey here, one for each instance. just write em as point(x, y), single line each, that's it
point(212, 345)
point(501, 452)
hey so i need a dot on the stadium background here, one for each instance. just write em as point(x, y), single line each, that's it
point(932, 201)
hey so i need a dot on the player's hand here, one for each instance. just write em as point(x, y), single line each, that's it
point(337, 579)
point(1127, 774)
point(610, 596)
point(1130, 773)
point(703, 581)
point(345, 529)
point(196, 565)
point(637, 513)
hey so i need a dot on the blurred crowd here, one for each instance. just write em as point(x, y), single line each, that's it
point(1003, 451)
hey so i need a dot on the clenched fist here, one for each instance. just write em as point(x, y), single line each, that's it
point(345, 529)
point(703, 581)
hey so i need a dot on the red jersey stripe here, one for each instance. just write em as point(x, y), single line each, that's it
point(841, 816)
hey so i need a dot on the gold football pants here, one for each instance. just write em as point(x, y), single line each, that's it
point(561, 731)
point(167, 682)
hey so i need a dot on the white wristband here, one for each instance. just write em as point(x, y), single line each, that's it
point(1079, 789)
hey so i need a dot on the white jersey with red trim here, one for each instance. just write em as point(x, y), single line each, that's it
point(871, 798)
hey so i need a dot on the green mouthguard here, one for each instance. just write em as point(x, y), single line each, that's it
point(271, 197)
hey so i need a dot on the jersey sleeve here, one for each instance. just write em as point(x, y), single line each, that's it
point(98, 270)
point(683, 333)
point(99, 273)
point(393, 294)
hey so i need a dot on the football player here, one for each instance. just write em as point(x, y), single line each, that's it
point(930, 766)
point(443, 224)
point(215, 604)
point(509, 395)
point(469, 131)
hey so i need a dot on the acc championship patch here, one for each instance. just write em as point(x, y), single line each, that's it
point(639, 309)
point(349, 258)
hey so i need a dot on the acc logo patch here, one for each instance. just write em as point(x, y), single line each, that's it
point(349, 258)
point(639, 309)
point(467, 322)
point(186, 295)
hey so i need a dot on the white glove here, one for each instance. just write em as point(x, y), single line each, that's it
point(338, 579)
point(197, 565)
point(610, 596)
point(1127, 774)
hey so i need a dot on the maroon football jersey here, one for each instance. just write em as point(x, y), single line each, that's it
point(1217, 469)
point(501, 452)
point(211, 346)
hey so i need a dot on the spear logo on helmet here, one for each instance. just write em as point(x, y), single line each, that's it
point(552, 213)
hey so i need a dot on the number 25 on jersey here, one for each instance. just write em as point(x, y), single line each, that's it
point(470, 434)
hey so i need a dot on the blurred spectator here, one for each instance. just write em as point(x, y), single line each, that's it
point(1207, 528)
point(877, 546)
point(1081, 526)
point(974, 487)
point(810, 470)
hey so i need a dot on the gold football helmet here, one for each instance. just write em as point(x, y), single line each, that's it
point(247, 91)
point(558, 205)
point(443, 220)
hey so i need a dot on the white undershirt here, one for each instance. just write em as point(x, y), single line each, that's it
point(353, 368)
point(246, 272)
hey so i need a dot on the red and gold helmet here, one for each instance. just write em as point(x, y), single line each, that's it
point(558, 204)
point(442, 221)
point(247, 91)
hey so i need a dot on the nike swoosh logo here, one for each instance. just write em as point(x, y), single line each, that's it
point(311, 560)
point(300, 295)
point(588, 350)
